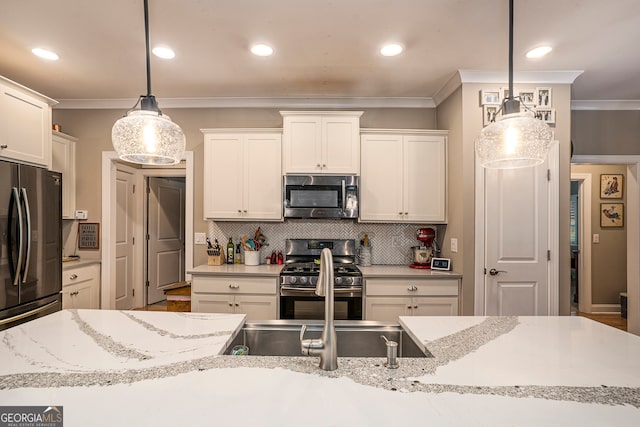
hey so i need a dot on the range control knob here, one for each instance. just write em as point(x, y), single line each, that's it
point(349, 280)
point(338, 280)
point(293, 279)
point(303, 279)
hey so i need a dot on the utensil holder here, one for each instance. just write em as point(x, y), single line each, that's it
point(251, 257)
point(364, 256)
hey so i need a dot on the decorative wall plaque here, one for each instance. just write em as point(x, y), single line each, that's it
point(89, 235)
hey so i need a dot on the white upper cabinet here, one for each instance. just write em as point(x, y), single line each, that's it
point(403, 176)
point(25, 124)
point(63, 160)
point(242, 174)
point(321, 142)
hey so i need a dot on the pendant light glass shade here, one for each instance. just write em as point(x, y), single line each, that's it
point(147, 137)
point(515, 140)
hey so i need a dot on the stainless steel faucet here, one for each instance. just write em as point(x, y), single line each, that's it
point(326, 345)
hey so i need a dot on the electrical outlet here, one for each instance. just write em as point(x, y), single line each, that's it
point(454, 244)
point(596, 238)
point(200, 238)
point(395, 241)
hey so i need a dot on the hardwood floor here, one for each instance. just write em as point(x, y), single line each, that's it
point(611, 319)
point(160, 306)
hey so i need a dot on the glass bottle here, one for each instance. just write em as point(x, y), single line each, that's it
point(238, 254)
point(230, 250)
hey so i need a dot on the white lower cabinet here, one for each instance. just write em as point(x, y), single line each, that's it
point(254, 296)
point(386, 299)
point(81, 287)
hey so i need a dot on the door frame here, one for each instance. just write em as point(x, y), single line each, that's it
point(584, 239)
point(553, 235)
point(633, 228)
point(108, 271)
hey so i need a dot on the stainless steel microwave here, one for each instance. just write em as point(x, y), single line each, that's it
point(320, 196)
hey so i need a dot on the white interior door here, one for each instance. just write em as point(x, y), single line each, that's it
point(517, 241)
point(165, 228)
point(125, 223)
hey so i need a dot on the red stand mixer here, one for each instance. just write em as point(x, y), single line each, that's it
point(423, 253)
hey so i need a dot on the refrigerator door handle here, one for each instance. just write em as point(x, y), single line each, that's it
point(16, 196)
point(29, 313)
point(27, 211)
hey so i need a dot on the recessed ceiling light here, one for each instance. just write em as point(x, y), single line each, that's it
point(391, 49)
point(261, 50)
point(163, 52)
point(539, 52)
point(45, 54)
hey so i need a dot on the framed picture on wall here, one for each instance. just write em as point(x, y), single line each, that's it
point(611, 186)
point(611, 215)
point(489, 114)
point(489, 97)
point(89, 235)
point(543, 97)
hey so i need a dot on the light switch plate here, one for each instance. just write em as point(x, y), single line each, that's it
point(454, 244)
point(596, 238)
point(82, 214)
point(200, 238)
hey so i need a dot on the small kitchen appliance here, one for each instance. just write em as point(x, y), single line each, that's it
point(426, 250)
point(299, 276)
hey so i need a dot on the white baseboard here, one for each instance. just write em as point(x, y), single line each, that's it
point(605, 308)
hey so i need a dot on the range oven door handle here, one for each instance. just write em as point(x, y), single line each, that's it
point(344, 195)
point(292, 291)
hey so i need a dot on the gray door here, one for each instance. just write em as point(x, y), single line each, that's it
point(165, 228)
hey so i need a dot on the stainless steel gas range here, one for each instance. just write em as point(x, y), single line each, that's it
point(299, 276)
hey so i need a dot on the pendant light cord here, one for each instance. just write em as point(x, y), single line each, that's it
point(146, 34)
point(510, 49)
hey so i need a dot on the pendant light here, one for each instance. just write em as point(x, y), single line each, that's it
point(516, 139)
point(145, 135)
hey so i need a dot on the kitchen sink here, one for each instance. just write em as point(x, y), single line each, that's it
point(354, 338)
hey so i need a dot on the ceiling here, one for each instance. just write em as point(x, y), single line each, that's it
point(323, 48)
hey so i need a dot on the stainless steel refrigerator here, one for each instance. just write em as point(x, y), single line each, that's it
point(30, 243)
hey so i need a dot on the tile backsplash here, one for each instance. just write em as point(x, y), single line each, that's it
point(382, 236)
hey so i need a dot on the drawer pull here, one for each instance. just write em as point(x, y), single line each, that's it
point(412, 288)
point(4, 146)
point(232, 286)
point(73, 277)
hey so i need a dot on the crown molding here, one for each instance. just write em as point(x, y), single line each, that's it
point(249, 102)
point(449, 87)
point(501, 77)
point(611, 104)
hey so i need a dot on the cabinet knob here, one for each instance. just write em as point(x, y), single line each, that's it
point(409, 307)
point(245, 211)
point(406, 213)
point(415, 306)
point(230, 305)
point(239, 210)
point(324, 166)
point(318, 165)
point(73, 277)
point(4, 146)
point(237, 305)
point(399, 213)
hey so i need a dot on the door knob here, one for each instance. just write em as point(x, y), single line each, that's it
point(494, 272)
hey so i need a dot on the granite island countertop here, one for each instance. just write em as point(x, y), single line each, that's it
point(153, 368)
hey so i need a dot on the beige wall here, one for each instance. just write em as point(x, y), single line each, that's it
point(93, 129)
point(609, 257)
point(606, 132)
